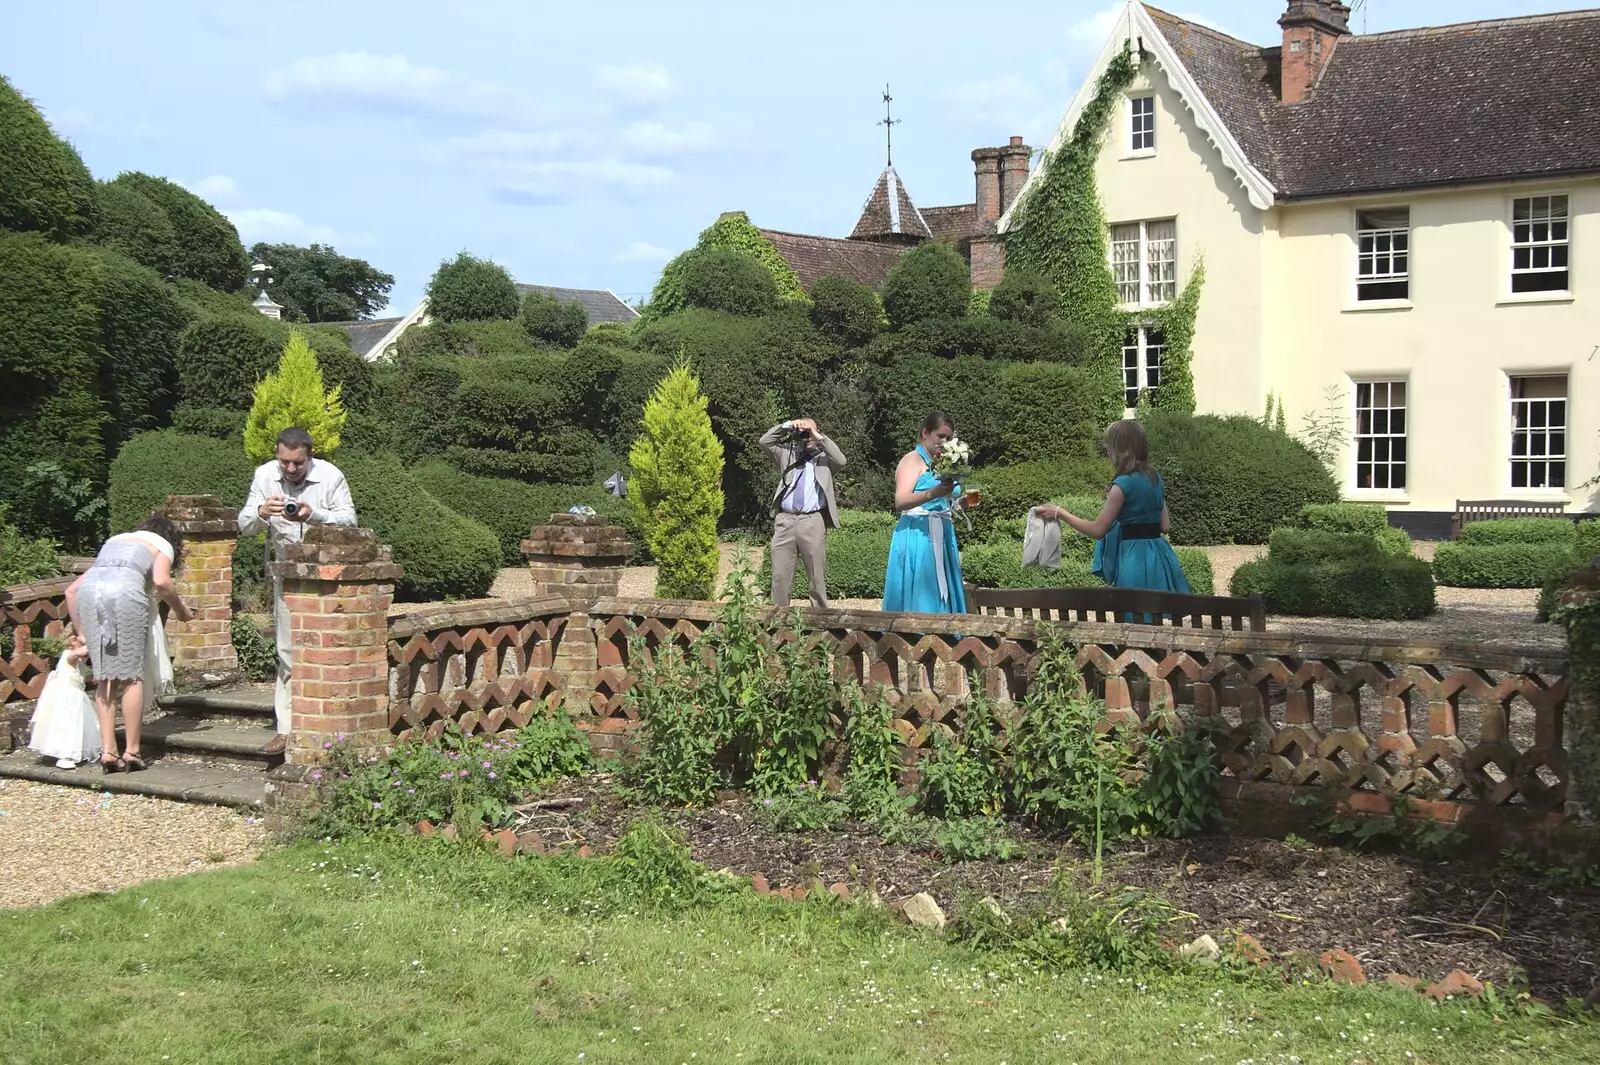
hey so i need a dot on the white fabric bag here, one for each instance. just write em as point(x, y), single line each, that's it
point(1041, 543)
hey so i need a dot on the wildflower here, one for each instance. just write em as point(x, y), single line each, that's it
point(766, 802)
point(316, 776)
point(377, 805)
point(396, 784)
point(492, 775)
point(465, 772)
point(488, 765)
point(411, 791)
point(446, 776)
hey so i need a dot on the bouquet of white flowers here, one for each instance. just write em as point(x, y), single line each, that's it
point(954, 461)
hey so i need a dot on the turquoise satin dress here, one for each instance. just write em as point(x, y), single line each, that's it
point(924, 575)
point(1128, 562)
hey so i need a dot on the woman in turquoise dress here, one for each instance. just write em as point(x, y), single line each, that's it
point(1132, 551)
point(924, 575)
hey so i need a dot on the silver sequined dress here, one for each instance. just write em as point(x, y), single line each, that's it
point(114, 608)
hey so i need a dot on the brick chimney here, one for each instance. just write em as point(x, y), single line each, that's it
point(986, 165)
point(1013, 171)
point(1311, 31)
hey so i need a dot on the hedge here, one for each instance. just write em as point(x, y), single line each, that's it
point(1025, 296)
point(930, 281)
point(1498, 565)
point(858, 557)
point(1379, 587)
point(1008, 491)
point(132, 224)
point(220, 357)
point(511, 508)
point(726, 279)
point(152, 466)
point(1053, 409)
point(205, 246)
point(1300, 546)
point(445, 554)
point(44, 185)
point(1521, 531)
point(141, 319)
point(1232, 479)
point(467, 288)
point(1363, 519)
point(845, 310)
point(552, 322)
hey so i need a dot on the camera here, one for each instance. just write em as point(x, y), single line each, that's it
point(292, 508)
point(794, 435)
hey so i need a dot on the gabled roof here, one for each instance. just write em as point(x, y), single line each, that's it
point(814, 257)
point(889, 213)
point(1506, 99)
point(603, 305)
point(364, 336)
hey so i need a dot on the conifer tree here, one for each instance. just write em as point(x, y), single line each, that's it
point(294, 395)
point(676, 492)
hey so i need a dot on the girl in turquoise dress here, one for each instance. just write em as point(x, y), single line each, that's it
point(924, 575)
point(1132, 551)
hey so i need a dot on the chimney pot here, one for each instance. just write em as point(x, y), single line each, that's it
point(1016, 142)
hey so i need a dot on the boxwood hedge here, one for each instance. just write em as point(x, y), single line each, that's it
point(1498, 565)
point(1521, 531)
point(1379, 586)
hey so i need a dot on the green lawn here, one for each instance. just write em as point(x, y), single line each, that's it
point(413, 950)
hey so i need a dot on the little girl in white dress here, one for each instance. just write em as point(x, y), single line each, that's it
point(64, 725)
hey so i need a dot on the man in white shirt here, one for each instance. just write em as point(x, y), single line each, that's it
point(287, 494)
point(803, 507)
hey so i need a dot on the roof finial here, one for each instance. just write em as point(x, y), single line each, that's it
point(889, 123)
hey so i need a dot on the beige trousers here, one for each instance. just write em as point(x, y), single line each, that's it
point(802, 536)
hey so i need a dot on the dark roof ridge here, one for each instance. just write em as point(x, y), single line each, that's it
point(1481, 24)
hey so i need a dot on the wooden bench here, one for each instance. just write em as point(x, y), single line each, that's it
point(1113, 605)
point(1468, 510)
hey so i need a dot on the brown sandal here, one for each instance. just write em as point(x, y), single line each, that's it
point(113, 765)
point(132, 763)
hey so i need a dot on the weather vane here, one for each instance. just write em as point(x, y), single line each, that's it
point(889, 123)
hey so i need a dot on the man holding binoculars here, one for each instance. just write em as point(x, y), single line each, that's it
point(803, 507)
point(287, 494)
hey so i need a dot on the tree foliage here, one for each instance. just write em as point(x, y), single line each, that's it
point(132, 224)
point(205, 246)
point(221, 357)
point(846, 311)
point(734, 232)
point(44, 186)
point(930, 281)
point(676, 494)
point(553, 323)
point(317, 284)
point(727, 279)
point(469, 289)
point(1026, 297)
point(1176, 322)
point(293, 395)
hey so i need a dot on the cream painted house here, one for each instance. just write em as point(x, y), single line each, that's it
point(1406, 222)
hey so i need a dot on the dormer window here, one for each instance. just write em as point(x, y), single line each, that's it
point(1142, 123)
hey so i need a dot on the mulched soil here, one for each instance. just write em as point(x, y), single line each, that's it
point(1395, 913)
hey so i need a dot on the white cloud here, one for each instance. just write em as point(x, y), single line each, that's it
point(264, 223)
point(653, 138)
point(219, 190)
point(512, 142)
point(389, 85)
point(642, 83)
point(641, 252)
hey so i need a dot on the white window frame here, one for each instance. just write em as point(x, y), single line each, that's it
point(1145, 365)
point(1146, 279)
point(1393, 276)
point(1131, 146)
point(1373, 380)
point(1565, 454)
point(1511, 272)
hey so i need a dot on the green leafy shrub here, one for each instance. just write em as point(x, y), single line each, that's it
point(25, 559)
point(1379, 587)
point(1027, 297)
point(1587, 541)
point(804, 808)
point(552, 322)
point(676, 495)
point(873, 747)
point(467, 288)
point(846, 311)
point(964, 776)
point(857, 558)
point(732, 231)
point(1498, 565)
point(1562, 531)
point(154, 465)
point(221, 357)
point(1360, 519)
point(205, 245)
point(998, 564)
point(445, 554)
point(293, 396)
point(724, 279)
point(1232, 480)
point(930, 281)
point(44, 185)
point(975, 839)
point(1053, 409)
point(258, 656)
point(1197, 570)
point(219, 422)
point(1183, 791)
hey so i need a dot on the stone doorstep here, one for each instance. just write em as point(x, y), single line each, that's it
point(179, 781)
point(240, 702)
point(216, 741)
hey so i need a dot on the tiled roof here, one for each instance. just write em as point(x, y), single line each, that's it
point(603, 306)
point(364, 336)
point(814, 257)
point(953, 223)
point(1474, 102)
point(889, 213)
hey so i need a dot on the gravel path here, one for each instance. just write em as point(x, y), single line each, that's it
point(57, 841)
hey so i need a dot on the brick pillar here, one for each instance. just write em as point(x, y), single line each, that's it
point(210, 533)
point(337, 583)
point(988, 261)
point(578, 557)
point(1581, 616)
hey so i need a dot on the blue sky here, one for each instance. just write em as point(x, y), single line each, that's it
point(579, 144)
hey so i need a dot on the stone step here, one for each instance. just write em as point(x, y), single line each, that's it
point(183, 780)
point(254, 701)
point(219, 741)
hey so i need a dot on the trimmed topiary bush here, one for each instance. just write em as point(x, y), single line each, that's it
point(446, 555)
point(1293, 547)
point(1521, 531)
point(152, 466)
point(221, 357)
point(845, 311)
point(467, 288)
point(205, 245)
point(734, 231)
point(141, 319)
point(1378, 587)
point(44, 185)
point(553, 323)
point(132, 224)
point(1026, 297)
point(1361, 519)
point(1052, 409)
point(723, 279)
point(930, 281)
point(1197, 570)
point(1498, 565)
point(1232, 480)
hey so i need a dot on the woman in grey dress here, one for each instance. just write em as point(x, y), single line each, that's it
point(112, 607)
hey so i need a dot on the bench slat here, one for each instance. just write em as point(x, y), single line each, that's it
point(1109, 605)
point(1469, 510)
